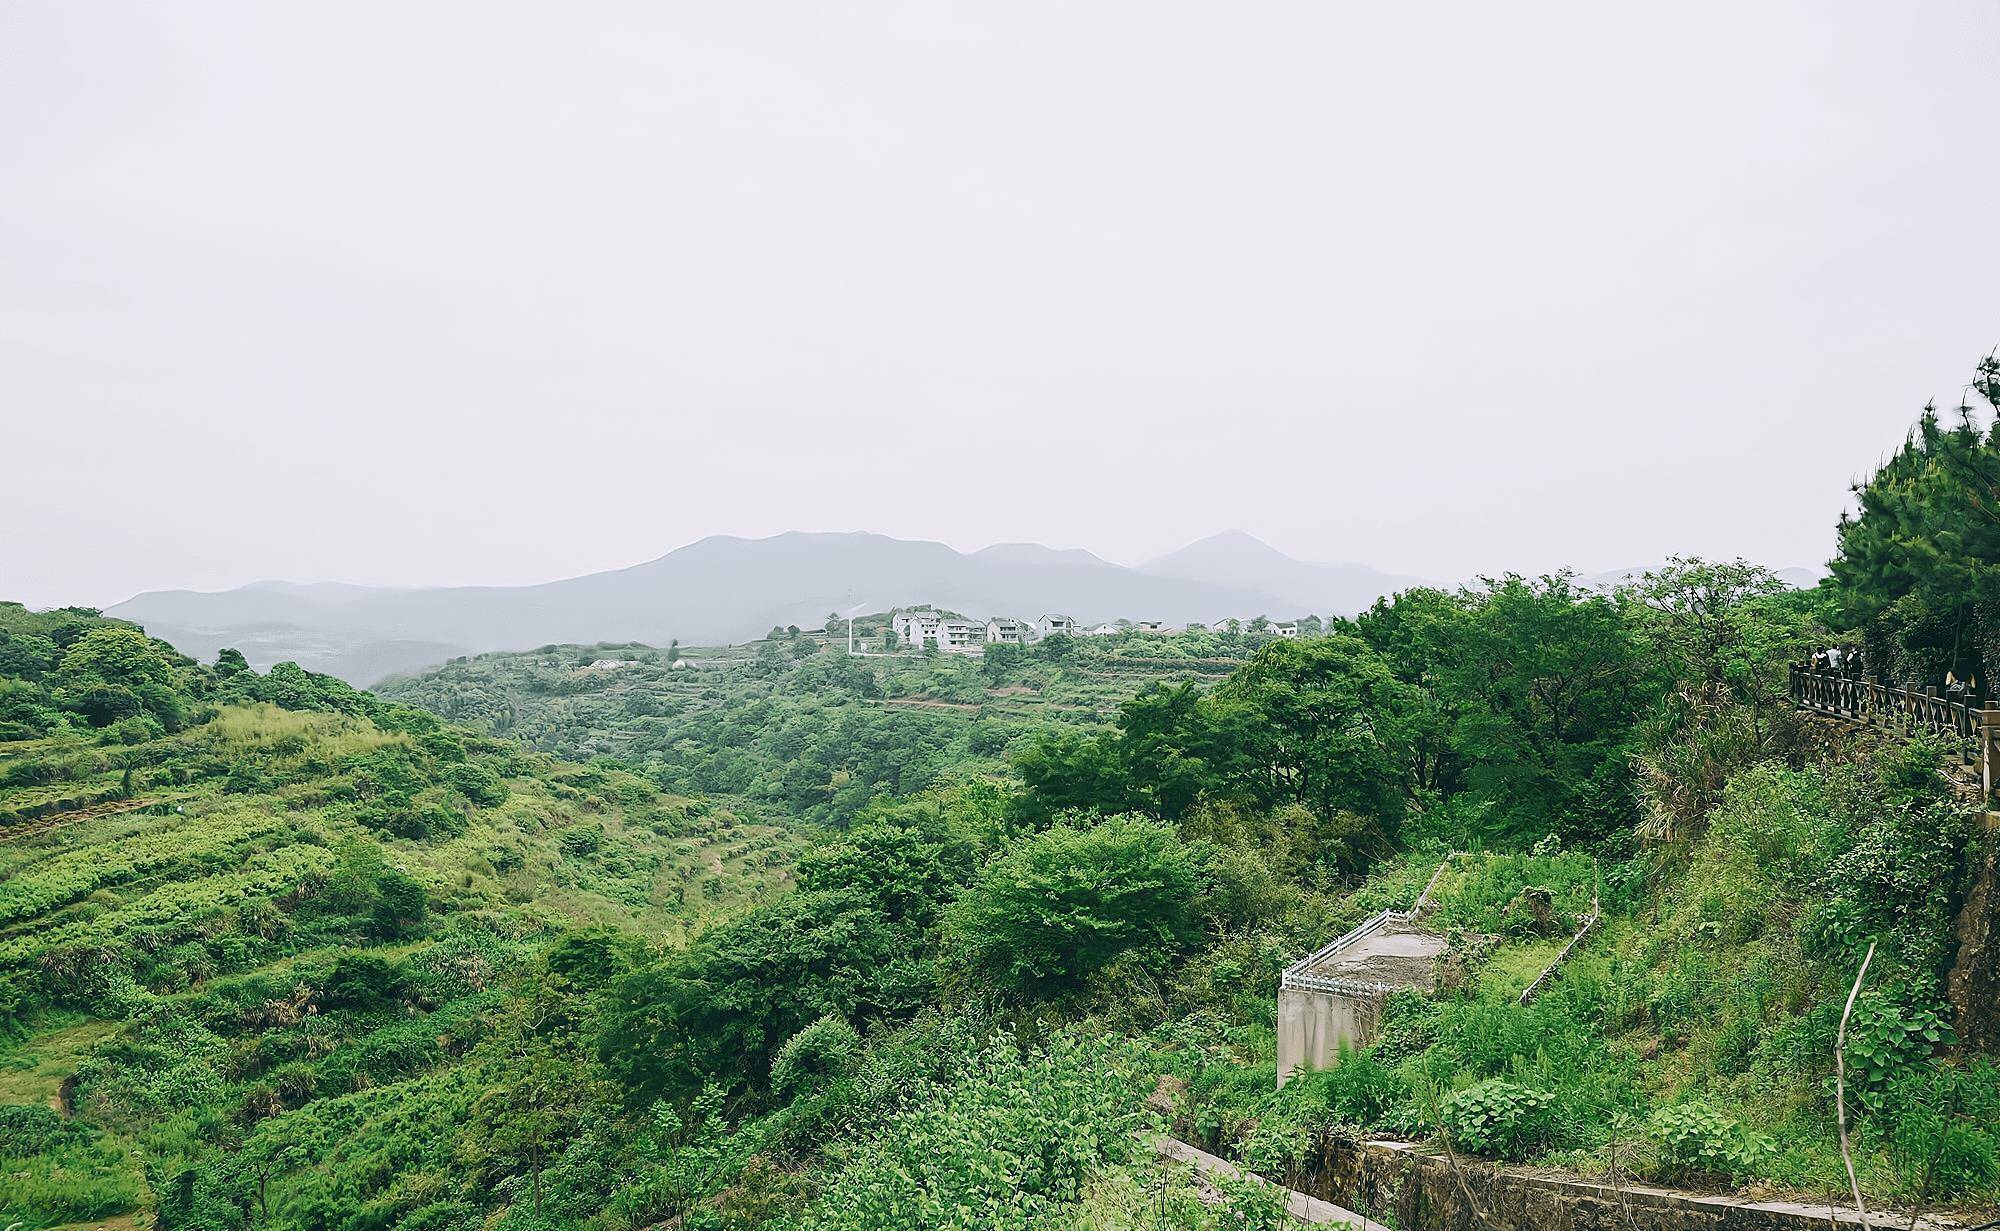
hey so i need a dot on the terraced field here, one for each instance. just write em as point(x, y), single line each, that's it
point(228, 922)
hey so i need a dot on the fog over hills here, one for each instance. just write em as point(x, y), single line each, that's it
point(1234, 558)
point(730, 589)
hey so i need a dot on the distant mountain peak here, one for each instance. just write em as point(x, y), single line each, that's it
point(1230, 543)
point(1238, 558)
point(1035, 553)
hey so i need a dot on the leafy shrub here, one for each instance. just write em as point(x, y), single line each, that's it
point(1409, 1025)
point(1695, 1139)
point(457, 965)
point(1498, 1118)
point(1354, 1095)
point(1485, 893)
point(362, 982)
point(1065, 903)
point(1886, 1039)
point(1009, 1146)
point(138, 729)
point(58, 1172)
point(478, 784)
point(400, 904)
point(820, 1053)
point(1945, 1139)
point(1244, 889)
point(28, 1130)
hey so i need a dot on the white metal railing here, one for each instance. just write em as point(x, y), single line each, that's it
point(1362, 988)
point(1296, 976)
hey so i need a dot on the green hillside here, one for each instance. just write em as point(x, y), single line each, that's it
point(251, 919)
point(277, 953)
point(803, 730)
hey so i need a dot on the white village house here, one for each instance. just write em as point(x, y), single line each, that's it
point(961, 636)
point(1000, 630)
point(914, 628)
point(924, 626)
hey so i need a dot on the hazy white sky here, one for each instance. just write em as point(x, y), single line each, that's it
point(440, 293)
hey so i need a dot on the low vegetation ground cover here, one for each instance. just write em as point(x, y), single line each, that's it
point(341, 964)
point(304, 909)
point(802, 730)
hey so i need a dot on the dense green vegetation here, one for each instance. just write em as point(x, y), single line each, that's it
point(791, 728)
point(245, 919)
point(1919, 566)
point(277, 953)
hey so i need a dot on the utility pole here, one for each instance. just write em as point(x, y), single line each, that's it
point(854, 607)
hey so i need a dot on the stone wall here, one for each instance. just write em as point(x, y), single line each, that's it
point(1419, 1189)
point(1974, 985)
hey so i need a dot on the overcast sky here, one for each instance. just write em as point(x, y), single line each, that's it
point(443, 293)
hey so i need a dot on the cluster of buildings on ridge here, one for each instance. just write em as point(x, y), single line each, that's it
point(921, 627)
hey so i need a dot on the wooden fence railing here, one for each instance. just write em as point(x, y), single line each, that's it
point(1907, 711)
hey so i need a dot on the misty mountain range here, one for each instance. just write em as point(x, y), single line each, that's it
point(726, 589)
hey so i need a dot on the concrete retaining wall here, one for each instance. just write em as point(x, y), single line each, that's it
point(1410, 1186)
point(1313, 1026)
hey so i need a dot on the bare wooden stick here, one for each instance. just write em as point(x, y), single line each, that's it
point(1840, 1082)
point(1479, 1215)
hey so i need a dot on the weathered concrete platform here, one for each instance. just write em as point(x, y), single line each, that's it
point(1398, 954)
point(1332, 999)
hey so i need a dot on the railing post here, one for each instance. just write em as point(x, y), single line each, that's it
point(1989, 749)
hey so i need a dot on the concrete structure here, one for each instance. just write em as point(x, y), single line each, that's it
point(1287, 630)
point(1050, 625)
point(1000, 630)
point(1425, 1186)
point(914, 628)
point(961, 636)
point(1973, 986)
point(1332, 997)
point(1103, 630)
point(1152, 626)
point(1307, 1209)
point(1869, 702)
